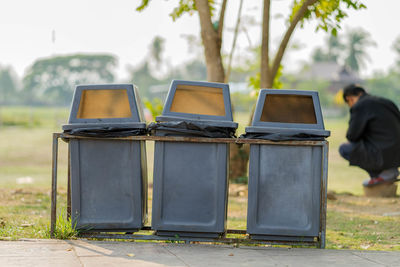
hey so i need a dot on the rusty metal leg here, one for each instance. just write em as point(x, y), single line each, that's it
point(324, 185)
point(69, 188)
point(54, 186)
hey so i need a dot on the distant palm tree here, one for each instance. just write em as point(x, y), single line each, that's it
point(331, 52)
point(335, 47)
point(357, 42)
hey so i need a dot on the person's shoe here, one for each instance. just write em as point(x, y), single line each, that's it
point(374, 181)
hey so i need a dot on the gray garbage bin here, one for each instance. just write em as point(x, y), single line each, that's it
point(191, 178)
point(108, 176)
point(287, 178)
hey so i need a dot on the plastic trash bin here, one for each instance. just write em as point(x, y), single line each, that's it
point(287, 178)
point(191, 178)
point(108, 176)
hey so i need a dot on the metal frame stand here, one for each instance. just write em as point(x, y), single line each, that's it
point(147, 234)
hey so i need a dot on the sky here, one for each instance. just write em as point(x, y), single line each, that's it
point(43, 28)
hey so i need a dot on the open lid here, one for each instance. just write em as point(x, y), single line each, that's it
point(106, 105)
point(198, 101)
point(289, 112)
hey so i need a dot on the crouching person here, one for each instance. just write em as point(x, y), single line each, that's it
point(373, 135)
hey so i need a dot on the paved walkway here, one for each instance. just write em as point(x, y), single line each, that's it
point(101, 253)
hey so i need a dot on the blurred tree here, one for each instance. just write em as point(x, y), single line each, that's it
point(194, 70)
point(157, 48)
point(8, 85)
point(53, 80)
point(396, 49)
point(386, 85)
point(143, 78)
point(145, 75)
point(335, 47)
point(358, 40)
point(333, 50)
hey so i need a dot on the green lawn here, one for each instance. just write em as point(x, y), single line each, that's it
point(25, 182)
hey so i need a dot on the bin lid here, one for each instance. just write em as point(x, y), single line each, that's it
point(205, 102)
point(106, 105)
point(288, 112)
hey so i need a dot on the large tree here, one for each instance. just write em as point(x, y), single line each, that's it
point(328, 15)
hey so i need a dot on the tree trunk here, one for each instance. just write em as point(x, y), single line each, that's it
point(212, 42)
point(266, 80)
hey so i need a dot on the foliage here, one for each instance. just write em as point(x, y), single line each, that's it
point(157, 47)
point(242, 102)
point(155, 107)
point(254, 81)
point(52, 80)
point(144, 79)
point(184, 6)
point(328, 13)
point(396, 49)
point(8, 85)
point(325, 97)
point(385, 85)
point(192, 70)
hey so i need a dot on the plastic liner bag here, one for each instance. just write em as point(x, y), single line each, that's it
point(106, 132)
point(283, 136)
point(185, 128)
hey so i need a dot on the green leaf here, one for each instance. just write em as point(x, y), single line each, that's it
point(143, 5)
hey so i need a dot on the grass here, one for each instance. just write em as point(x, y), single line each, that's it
point(65, 228)
point(25, 213)
point(353, 221)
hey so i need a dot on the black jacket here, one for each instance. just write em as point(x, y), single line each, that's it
point(374, 128)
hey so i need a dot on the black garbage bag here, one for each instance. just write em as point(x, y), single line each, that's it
point(106, 131)
point(185, 128)
point(284, 136)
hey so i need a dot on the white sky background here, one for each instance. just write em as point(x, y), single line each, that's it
point(114, 27)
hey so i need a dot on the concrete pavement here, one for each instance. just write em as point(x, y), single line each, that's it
point(102, 253)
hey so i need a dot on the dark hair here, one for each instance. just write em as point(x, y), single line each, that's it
point(353, 90)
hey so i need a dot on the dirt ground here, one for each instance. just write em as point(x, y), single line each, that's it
point(364, 205)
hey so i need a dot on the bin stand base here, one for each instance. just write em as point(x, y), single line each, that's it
point(283, 238)
point(189, 234)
